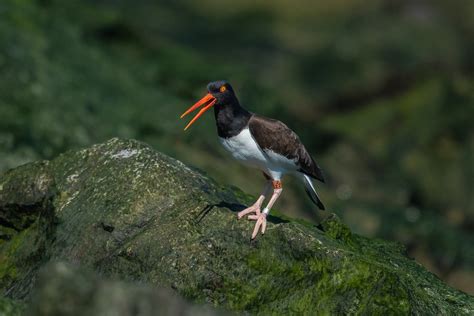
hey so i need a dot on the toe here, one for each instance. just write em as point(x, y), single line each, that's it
point(257, 227)
point(245, 212)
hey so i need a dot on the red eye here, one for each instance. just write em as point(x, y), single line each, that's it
point(222, 88)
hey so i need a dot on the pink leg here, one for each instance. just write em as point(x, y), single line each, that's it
point(255, 208)
point(261, 219)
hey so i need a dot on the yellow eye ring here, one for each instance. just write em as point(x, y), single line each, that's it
point(222, 88)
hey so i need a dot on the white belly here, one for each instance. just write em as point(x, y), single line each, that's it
point(244, 148)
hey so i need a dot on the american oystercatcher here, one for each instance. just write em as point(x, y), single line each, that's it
point(259, 142)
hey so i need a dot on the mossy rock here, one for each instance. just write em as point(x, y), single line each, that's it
point(66, 290)
point(129, 212)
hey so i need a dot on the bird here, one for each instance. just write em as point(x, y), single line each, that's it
point(259, 142)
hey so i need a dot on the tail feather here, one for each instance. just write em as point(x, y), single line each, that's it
point(311, 191)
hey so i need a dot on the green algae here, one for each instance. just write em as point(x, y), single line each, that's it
point(8, 269)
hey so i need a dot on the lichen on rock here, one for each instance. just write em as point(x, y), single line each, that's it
point(129, 212)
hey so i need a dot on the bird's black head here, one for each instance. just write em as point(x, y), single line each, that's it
point(220, 94)
point(222, 91)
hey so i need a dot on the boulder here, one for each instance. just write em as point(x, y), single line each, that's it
point(131, 213)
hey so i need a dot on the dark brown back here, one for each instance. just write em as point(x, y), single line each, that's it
point(274, 135)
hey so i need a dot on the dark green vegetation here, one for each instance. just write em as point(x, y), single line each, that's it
point(129, 212)
point(380, 91)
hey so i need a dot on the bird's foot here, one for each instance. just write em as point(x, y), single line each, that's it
point(261, 223)
point(252, 209)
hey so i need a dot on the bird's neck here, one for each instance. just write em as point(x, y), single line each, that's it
point(231, 118)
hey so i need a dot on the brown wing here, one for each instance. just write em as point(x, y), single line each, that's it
point(276, 136)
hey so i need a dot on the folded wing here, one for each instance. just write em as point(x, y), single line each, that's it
point(274, 135)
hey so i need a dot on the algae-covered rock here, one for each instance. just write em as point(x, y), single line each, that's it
point(129, 212)
point(67, 291)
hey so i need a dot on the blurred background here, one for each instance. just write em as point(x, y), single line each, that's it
point(381, 93)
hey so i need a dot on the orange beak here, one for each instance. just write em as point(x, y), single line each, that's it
point(208, 101)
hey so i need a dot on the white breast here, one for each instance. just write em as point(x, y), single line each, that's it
point(244, 148)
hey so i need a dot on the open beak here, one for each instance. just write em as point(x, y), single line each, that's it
point(207, 101)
